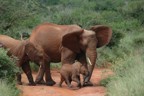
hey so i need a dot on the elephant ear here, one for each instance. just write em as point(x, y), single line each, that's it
point(103, 34)
point(71, 40)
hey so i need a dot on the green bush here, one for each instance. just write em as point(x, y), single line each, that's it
point(56, 65)
point(128, 79)
point(15, 13)
point(34, 67)
point(8, 68)
point(134, 9)
point(7, 89)
point(8, 71)
point(104, 82)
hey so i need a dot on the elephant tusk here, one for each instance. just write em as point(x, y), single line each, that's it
point(89, 61)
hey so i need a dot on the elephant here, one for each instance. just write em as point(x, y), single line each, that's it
point(25, 52)
point(67, 43)
point(71, 72)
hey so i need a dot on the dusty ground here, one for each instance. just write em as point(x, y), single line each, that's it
point(42, 90)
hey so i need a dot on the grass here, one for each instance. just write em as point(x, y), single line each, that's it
point(7, 89)
point(8, 71)
point(129, 79)
point(8, 67)
point(127, 63)
point(125, 17)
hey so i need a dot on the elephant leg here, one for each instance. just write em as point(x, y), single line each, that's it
point(48, 78)
point(77, 79)
point(18, 75)
point(82, 60)
point(41, 81)
point(79, 84)
point(61, 81)
point(68, 82)
point(27, 71)
point(41, 71)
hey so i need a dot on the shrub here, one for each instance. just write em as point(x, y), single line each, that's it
point(134, 9)
point(7, 89)
point(104, 82)
point(15, 14)
point(8, 68)
point(128, 80)
point(8, 71)
point(34, 67)
point(56, 65)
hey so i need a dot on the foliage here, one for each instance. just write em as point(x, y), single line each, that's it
point(7, 89)
point(105, 82)
point(125, 17)
point(56, 65)
point(15, 13)
point(35, 67)
point(8, 68)
point(128, 80)
point(8, 71)
point(135, 9)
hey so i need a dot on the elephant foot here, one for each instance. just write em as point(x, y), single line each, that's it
point(87, 84)
point(32, 84)
point(59, 85)
point(50, 83)
point(79, 85)
point(70, 86)
point(41, 82)
point(38, 81)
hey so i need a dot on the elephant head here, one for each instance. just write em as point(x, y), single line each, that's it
point(87, 41)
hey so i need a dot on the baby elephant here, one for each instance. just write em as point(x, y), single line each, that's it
point(71, 72)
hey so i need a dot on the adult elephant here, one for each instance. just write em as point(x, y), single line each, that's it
point(67, 43)
point(25, 52)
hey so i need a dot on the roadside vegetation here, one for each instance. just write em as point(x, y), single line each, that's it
point(8, 70)
point(125, 51)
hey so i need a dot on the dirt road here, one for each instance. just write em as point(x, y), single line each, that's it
point(42, 90)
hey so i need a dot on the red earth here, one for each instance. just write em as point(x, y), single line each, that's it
point(43, 90)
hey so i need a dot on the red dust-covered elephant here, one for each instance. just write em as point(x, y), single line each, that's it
point(25, 52)
point(67, 43)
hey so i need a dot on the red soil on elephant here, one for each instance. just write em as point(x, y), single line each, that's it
point(43, 90)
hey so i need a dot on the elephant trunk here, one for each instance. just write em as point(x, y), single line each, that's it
point(91, 58)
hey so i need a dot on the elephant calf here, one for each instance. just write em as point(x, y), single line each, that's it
point(25, 52)
point(71, 72)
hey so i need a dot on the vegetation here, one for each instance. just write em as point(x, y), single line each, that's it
point(128, 80)
point(8, 70)
point(7, 89)
point(125, 17)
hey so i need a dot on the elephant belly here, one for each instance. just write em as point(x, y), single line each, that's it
point(49, 37)
point(50, 44)
point(53, 51)
point(54, 56)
